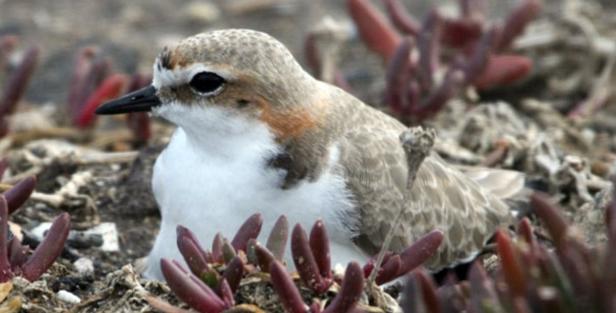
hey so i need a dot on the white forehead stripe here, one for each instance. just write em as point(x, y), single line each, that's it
point(182, 75)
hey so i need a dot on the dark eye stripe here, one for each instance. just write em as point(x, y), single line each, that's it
point(206, 82)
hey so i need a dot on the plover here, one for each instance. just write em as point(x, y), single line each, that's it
point(257, 133)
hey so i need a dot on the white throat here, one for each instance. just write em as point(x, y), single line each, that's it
point(218, 131)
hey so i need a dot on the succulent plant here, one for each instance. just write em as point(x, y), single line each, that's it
point(571, 277)
point(17, 79)
point(14, 258)
point(90, 69)
point(440, 56)
point(91, 84)
point(213, 276)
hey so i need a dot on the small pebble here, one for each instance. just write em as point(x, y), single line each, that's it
point(84, 266)
point(81, 240)
point(202, 11)
point(40, 230)
point(109, 232)
point(68, 297)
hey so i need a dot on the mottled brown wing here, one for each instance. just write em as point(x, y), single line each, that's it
point(441, 198)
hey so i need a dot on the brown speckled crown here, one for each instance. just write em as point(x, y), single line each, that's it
point(246, 52)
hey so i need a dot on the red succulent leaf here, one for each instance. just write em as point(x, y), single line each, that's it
point(373, 28)
point(460, 32)
point(139, 122)
point(472, 9)
point(452, 83)
point(82, 69)
point(49, 249)
point(17, 254)
point(401, 18)
point(525, 231)
point(450, 296)
point(608, 288)
point(413, 94)
point(350, 291)
point(190, 289)
point(579, 272)
point(479, 57)
point(315, 307)
point(420, 251)
point(311, 54)
point(409, 259)
point(503, 70)
point(138, 81)
point(313, 60)
point(369, 266)
point(518, 19)
point(319, 244)
point(19, 193)
point(95, 70)
point(550, 215)
point(608, 283)
point(16, 83)
point(5, 266)
point(304, 261)
point(228, 252)
point(510, 264)
point(217, 243)
point(397, 76)
point(191, 250)
point(389, 271)
point(277, 240)
point(610, 218)
point(110, 88)
point(286, 290)
point(411, 297)
point(226, 294)
point(482, 290)
point(552, 269)
point(251, 252)
point(7, 45)
point(264, 257)
point(428, 291)
point(3, 166)
point(234, 272)
point(429, 48)
point(249, 230)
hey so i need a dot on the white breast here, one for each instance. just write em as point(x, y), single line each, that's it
point(214, 185)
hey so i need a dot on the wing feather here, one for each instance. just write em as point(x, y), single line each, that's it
point(441, 198)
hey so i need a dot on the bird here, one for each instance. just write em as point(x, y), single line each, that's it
point(257, 133)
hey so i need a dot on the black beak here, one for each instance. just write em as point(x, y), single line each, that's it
point(141, 100)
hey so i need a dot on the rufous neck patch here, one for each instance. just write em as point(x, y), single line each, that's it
point(289, 123)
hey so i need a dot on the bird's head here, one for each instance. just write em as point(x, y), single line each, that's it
point(227, 81)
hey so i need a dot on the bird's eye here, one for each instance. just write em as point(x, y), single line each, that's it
point(206, 83)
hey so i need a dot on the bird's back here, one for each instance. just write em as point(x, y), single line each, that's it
point(442, 197)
